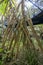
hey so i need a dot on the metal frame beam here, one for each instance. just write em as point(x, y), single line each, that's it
point(35, 5)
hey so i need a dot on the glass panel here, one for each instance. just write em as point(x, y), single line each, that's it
point(34, 6)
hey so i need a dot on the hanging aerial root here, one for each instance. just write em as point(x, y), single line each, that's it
point(28, 35)
point(25, 42)
point(7, 31)
point(11, 41)
point(16, 41)
point(35, 34)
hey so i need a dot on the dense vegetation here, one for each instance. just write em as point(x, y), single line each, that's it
point(18, 46)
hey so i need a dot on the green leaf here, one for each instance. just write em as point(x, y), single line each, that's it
point(0, 62)
point(3, 6)
point(1, 49)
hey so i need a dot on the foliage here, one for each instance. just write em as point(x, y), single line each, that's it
point(1, 50)
point(3, 6)
point(18, 38)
